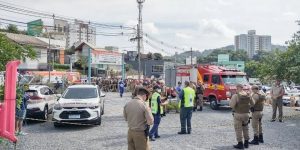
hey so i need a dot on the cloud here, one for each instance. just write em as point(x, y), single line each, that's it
point(150, 28)
point(183, 36)
point(225, 3)
point(215, 27)
point(290, 14)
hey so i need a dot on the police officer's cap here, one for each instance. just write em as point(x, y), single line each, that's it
point(239, 85)
point(254, 87)
point(156, 87)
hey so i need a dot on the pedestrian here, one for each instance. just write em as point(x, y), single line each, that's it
point(121, 87)
point(277, 92)
point(139, 118)
point(259, 100)
point(292, 101)
point(186, 104)
point(164, 95)
point(21, 110)
point(156, 109)
point(241, 104)
point(199, 96)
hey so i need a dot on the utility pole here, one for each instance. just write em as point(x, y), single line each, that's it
point(48, 57)
point(89, 65)
point(123, 67)
point(192, 57)
point(139, 35)
point(139, 52)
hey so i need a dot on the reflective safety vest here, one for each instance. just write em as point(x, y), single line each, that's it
point(154, 104)
point(189, 97)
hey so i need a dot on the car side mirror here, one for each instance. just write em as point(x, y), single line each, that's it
point(102, 95)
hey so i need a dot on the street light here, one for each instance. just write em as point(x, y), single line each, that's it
point(139, 35)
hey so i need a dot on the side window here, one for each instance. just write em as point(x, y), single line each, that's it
point(50, 91)
point(45, 91)
point(215, 79)
point(206, 78)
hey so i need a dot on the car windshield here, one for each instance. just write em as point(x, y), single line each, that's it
point(80, 93)
point(234, 79)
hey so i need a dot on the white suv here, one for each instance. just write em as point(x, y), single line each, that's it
point(41, 101)
point(79, 104)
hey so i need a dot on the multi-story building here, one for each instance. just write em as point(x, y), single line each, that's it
point(80, 32)
point(252, 43)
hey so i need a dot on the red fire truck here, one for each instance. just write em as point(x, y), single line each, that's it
point(219, 82)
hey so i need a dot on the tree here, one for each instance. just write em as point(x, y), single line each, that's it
point(12, 29)
point(82, 62)
point(12, 51)
point(149, 56)
point(157, 56)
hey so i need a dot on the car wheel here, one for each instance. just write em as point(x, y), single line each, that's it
point(98, 121)
point(56, 124)
point(213, 103)
point(45, 114)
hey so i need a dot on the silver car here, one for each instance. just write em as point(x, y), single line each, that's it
point(41, 102)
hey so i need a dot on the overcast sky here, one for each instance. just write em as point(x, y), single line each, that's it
point(201, 24)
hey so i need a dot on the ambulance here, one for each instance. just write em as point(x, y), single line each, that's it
point(219, 82)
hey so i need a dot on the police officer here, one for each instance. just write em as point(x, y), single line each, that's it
point(257, 114)
point(277, 93)
point(156, 109)
point(241, 103)
point(139, 117)
point(187, 97)
point(199, 96)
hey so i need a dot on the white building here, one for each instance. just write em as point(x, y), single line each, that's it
point(102, 60)
point(80, 32)
point(252, 43)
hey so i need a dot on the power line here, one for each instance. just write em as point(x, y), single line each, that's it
point(163, 43)
point(71, 31)
point(47, 15)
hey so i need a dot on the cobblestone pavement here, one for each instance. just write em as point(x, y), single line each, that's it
point(211, 130)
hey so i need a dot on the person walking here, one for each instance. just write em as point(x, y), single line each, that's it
point(277, 92)
point(156, 109)
point(292, 101)
point(121, 87)
point(257, 114)
point(186, 104)
point(241, 103)
point(139, 118)
point(21, 110)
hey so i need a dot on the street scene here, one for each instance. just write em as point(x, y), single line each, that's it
point(211, 130)
point(149, 75)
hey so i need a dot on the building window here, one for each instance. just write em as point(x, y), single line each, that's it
point(38, 53)
point(157, 68)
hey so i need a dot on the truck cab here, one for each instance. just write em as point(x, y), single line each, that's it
point(219, 82)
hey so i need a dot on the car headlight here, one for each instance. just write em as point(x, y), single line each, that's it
point(228, 94)
point(57, 107)
point(94, 107)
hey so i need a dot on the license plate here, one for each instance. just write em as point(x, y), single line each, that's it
point(74, 116)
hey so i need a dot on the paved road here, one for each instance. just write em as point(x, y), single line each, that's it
point(211, 130)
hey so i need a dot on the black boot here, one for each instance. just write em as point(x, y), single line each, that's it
point(254, 141)
point(239, 145)
point(261, 138)
point(246, 143)
point(182, 132)
point(200, 109)
point(194, 108)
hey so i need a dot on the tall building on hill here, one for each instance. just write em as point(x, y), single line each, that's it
point(252, 43)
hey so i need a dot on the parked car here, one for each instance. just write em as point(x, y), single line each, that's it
point(288, 94)
point(79, 104)
point(41, 101)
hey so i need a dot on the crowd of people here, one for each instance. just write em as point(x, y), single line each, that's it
point(150, 99)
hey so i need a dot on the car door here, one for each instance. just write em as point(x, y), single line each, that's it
point(216, 83)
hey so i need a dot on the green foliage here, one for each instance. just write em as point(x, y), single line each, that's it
point(12, 51)
point(1, 93)
point(61, 67)
point(128, 67)
point(172, 106)
point(12, 29)
point(157, 56)
point(233, 55)
point(149, 56)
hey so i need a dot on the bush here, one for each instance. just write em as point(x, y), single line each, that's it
point(61, 66)
point(173, 106)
